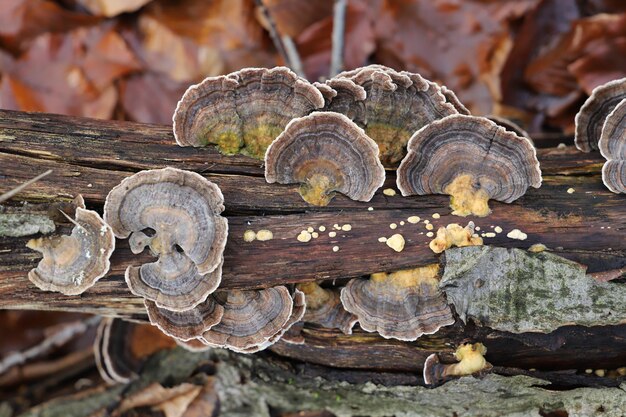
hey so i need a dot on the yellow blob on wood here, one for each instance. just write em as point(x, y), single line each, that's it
point(396, 242)
point(249, 236)
point(264, 235)
point(318, 190)
point(466, 198)
point(454, 235)
point(406, 278)
point(413, 219)
point(471, 357)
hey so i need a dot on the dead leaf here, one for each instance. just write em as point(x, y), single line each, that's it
point(292, 17)
point(151, 97)
point(110, 8)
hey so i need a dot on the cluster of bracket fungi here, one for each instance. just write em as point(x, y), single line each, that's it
point(337, 136)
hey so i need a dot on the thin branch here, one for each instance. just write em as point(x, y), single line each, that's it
point(339, 27)
point(58, 338)
point(284, 44)
point(19, 188)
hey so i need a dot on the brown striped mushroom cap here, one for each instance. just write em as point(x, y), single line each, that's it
point(72, 264)
point(342, 95)
point(397, 104)
point(323, 307)
point(176, 214)
point(612, 145)
point(243, 112)
point(325, 152)
point(592, 115)
point(185, 325)
point(454, 100)
point(510, 125)
point(472, 159)
point(403, 305)
point(250, 319)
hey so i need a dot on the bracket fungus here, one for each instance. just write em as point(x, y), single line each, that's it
point(72, 264)
point(325, 152)
point(244, 111)
point(397, 104)
point(323, 307)
point(185, 325)
point(342, 95)
point(592, 115)
point(471, 361)
point(473, 160)
point(403, 305)
point(612, 146)
point(251, 319)
point(176, 214)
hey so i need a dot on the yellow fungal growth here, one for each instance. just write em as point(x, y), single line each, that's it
point(382, 239)
point(264, 235)
point(346, 227)
point(409, 277)
point(429, 226)
point(389, 192)
point(517, 234)
point(335, 248)
point(318, 190)
point(471, 360)
point(304, 236)
point(309, 229)
point(498, 229)
point(454, 235)
point(413, 219)
point(332, 234)
point(259, 138)
point(537, 247)
point(316, 296)
point(396, 242)
point(436, 215)
point(466, 197)
point(393, 226)
point(322, 228)
point(249, 236)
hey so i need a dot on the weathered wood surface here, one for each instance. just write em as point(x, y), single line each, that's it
point(91, 156)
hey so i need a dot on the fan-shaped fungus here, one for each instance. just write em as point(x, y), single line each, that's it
point(592, 115)
point(176, 214)
point(471, 159)
point(323, 307)
point(243, 112)
point(397, 104)
point(186, 325)
point(325, 152)
point(343, 96)
point(612, 145)
point(72, 264)
point(251, 318)
point(403, 305)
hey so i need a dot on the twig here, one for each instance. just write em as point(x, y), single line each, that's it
point(339, 26)
point(19, 188)
point(284, 44)
point(58, 338)
point(293, 55)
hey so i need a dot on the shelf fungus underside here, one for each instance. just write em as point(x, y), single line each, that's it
point(471, 159)
point(176, 214)
point(243, 112)
point(397, 105)
point(326, 153)
point(612, 145)
point(518, 291)
point(402, 305)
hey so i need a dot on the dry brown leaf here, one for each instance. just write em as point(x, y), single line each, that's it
point(151, 97)
point(69, 73)
point(450, 41)
point(172, 401)
point(110, 8)
point(294, 16)
point(23, 20)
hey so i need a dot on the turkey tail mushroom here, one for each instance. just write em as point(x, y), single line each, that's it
point(325, 152)
point(473, 160)
point(612, 146)
point(243, 112)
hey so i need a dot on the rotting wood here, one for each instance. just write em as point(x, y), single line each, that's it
point(90, 157)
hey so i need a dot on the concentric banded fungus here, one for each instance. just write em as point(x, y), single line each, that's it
point(510, 125)
point(250, 318)
point(592, 115)
point(182, 209)
point(323, 307)
point(397, 104)
point(73, 263)
point(473, 160)
point(342, 95)
point(454, 100)
point(471, 361)
point(186, 325)
point(403, 305)
point(612, 145)
point(243, 112)
point(325, 152)
point(121, 347)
